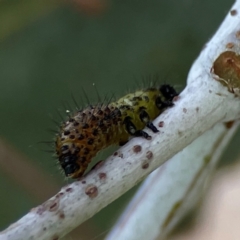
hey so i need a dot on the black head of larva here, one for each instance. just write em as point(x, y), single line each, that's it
point(168, 91)
point(70, 169)
point(68, 163)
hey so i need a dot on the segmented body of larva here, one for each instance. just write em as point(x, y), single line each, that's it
point(94, 128)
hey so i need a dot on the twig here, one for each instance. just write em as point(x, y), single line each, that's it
point(202, 104)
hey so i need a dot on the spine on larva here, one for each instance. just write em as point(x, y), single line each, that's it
point(90, 130)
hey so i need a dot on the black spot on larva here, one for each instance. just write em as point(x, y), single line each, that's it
point(136, 98)
point(71, 136)
point(135, 103)
point(107, 110)
point(80, 137)
point(66, 133)
point(158, 102)
point(95, 132)
point(146, 98)
point(100, 123)
point(86, 150)
point(85, 126)
point(77, 150)
point(75, 124)
point(90, 141)
point(100, 112)
point(82, 159)
point(93, 118)
point(122, 107)
point(65, 148)
point(107, 117)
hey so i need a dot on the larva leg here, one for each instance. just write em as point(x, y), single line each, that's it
point(141, 133)
point(151, 126)
point(131, 129)
point(144, 117)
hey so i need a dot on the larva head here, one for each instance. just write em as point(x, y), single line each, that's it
point(82, 136)
point(168, 91)
point(69, 165)
point(70, 159)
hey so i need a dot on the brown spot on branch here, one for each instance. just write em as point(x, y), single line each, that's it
point(227, 68)
point(92, 191)
point(233, 12)
point(137, 148)
point(229, 124)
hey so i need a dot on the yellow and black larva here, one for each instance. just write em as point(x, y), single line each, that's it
point(90, 130)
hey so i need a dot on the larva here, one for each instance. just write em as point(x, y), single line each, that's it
point(94, 128)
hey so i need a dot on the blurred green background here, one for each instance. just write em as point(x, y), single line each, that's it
point(50, 50)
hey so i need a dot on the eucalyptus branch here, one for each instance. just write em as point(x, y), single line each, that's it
point(204, 102)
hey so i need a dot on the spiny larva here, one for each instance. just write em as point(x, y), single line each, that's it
point(94, 128)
